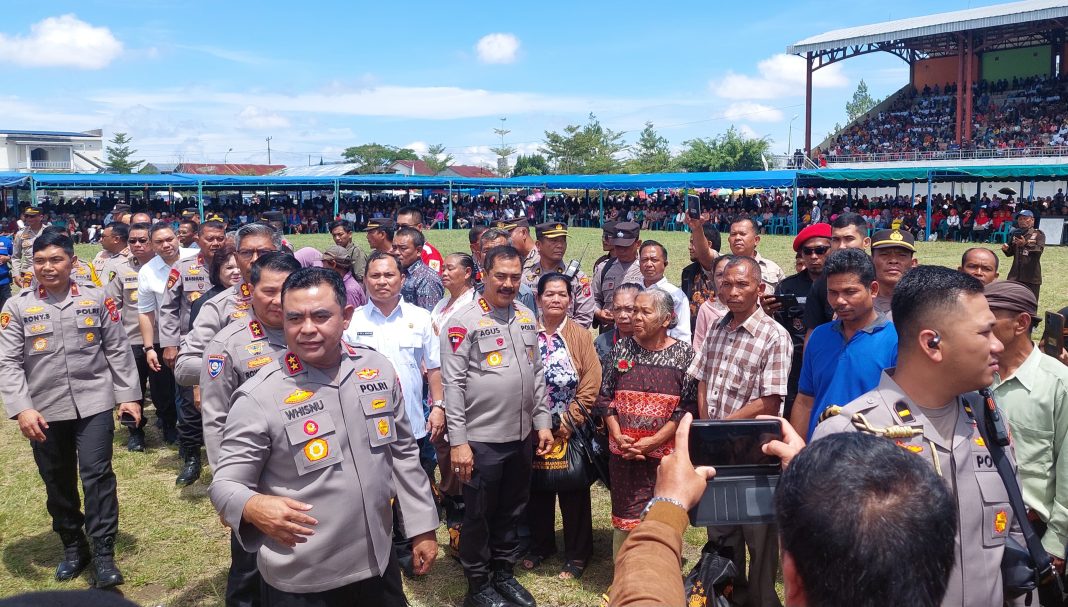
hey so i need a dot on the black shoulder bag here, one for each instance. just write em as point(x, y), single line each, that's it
point(1023, 570)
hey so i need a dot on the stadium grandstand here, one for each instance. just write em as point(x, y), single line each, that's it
point(986, 86)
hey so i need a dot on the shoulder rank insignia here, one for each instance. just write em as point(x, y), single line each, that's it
point(256, 329)
point(903, 412)
point(74, 290)
point(482, 303)
point(172, 278)
point(245, 290)
point(293, 363)
point(41, 292)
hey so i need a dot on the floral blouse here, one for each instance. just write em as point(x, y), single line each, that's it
point(561, 378)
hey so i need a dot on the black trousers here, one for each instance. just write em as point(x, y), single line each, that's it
point(5, 293)
point(190, 430)
point(160, 384)
point(577, 514)
point(243, 582)
point(385, 591)
point(80, 448)
point(494, 503)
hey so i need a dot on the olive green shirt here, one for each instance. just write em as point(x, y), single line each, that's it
point(1035, 401)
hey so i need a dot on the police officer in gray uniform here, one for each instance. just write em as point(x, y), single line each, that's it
point(122, 276)
point(231, 358)
point(552, 247)
point(252, 241)
point(22, 246)
point(927, 405)
point(316, 445)
point(188, 280)
point(64, 364)
point(621, 268)
point(494, 398)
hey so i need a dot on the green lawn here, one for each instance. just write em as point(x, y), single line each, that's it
point(173, 550)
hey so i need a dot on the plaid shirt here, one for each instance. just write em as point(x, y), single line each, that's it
point(422, 286)
point(743, 364)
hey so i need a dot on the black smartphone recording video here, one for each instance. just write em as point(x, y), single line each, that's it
point(693, 206)
point(732, 443)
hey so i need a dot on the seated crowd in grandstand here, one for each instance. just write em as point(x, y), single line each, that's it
point(1017, 114)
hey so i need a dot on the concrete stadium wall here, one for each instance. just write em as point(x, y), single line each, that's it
point(938, 70)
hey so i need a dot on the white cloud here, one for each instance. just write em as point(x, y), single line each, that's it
point(780, 75)
point(497, 48)
point(419, 147)
point(748, 132)
point(63, 41)
point(754, 112)
point(383, 101)
point(253, 117)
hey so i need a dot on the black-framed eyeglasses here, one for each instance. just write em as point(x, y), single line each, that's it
point(815, 250)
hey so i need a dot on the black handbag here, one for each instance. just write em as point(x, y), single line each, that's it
point(711, 581)
point(563, 469)
point(593, 440)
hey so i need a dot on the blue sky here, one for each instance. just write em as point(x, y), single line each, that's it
point(191, 81)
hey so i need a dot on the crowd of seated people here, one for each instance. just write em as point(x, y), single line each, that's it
point(1024, 113)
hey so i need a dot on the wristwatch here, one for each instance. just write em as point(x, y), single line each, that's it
point(440, 404)
point(148, 349)
point(669, 500)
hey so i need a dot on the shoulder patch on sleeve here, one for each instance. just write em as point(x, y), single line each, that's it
point(113, 310)
point(456, 337)
point(172, 278)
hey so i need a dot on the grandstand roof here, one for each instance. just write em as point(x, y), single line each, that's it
point(999, 15)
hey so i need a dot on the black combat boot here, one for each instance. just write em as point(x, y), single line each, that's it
point(190, 469)
point(76, 555)
point(136, 442)
point(105, 574)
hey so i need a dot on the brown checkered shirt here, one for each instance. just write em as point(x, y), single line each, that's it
point(743, 364)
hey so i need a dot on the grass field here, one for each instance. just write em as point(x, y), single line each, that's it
point(173, 550)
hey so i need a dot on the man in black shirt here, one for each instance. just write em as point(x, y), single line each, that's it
point(848, 231)
point(813, 243)
point(704, 248)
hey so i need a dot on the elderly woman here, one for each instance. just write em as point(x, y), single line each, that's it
point(458, 278)
point(623, 312)
point(572, 378)
point(644, 394)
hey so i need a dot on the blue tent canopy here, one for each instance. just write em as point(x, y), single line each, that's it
point(8, 180)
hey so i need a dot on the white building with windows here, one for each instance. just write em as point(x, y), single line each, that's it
point(51, 151)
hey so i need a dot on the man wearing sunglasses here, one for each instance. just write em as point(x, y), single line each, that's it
point(813, 244)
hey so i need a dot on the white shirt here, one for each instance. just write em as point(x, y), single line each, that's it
point(407, 339)
point(444, 308)
point(152, 281)
point(682, 309)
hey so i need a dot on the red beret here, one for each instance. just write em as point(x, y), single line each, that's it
point(816, 230)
